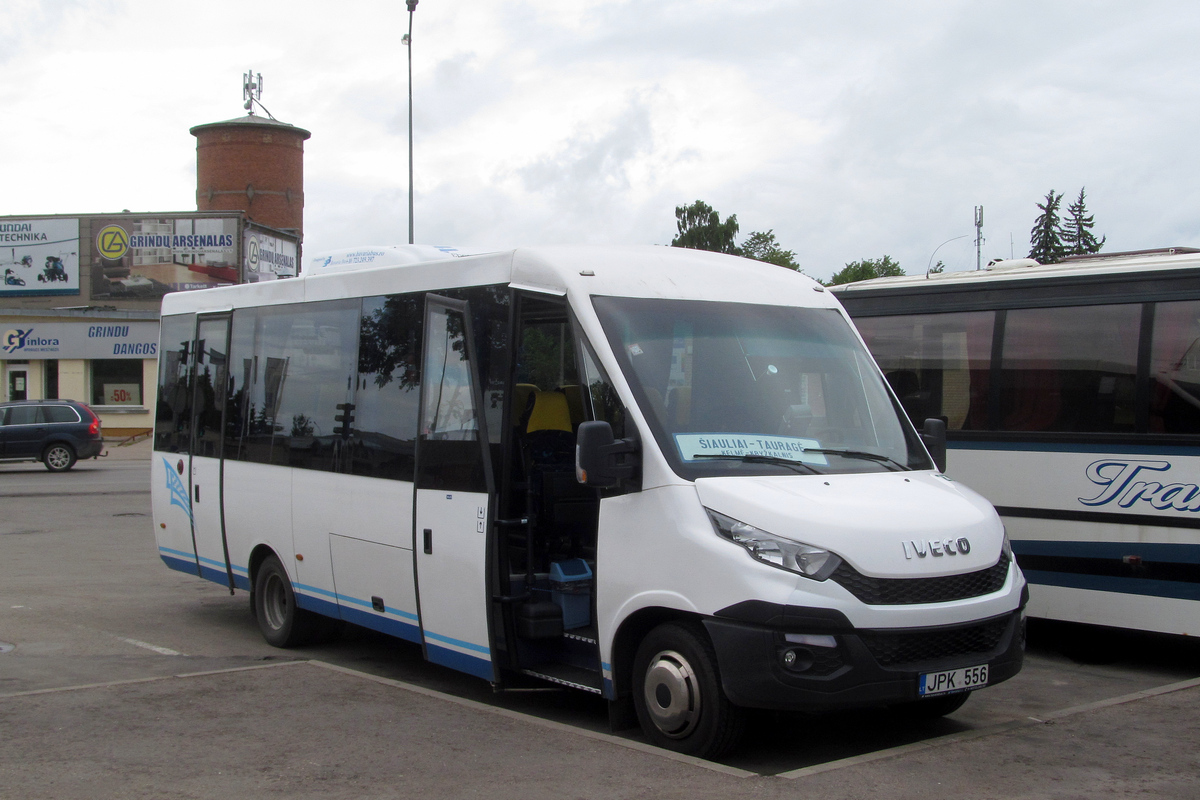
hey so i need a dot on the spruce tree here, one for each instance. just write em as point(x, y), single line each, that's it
point(1077, 234)
point(1046, 237)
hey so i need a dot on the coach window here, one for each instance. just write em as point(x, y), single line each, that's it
point(1175, 369)
point(291, 387)
point(938, 364)
point(389, 382)
point(173, 411)
point(1069, 369)
point(117, 382)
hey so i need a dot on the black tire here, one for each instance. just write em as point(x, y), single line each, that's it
point(931, 708)
point(677, 693)
point(58, 457)
point(281, 622)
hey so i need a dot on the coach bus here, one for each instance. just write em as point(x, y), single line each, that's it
point(1071, 397)
point(669, 477)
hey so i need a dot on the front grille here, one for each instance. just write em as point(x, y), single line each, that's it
point(826, 660)
point(908, 591)
point(893, 649)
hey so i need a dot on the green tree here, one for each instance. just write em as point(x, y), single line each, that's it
point(1077, 236)
point(761, 246)
point(865, 270)
point(1046, 238)
point(701, 228)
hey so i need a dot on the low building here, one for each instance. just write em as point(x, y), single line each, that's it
point(79, 303)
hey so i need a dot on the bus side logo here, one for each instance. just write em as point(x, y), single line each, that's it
point(1116, 479)
point(179, 492)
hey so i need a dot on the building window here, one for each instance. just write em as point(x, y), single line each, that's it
point(117, 382)
point(50, 379)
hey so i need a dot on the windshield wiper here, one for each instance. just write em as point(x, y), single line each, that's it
point(863, 454)
point(756, 459)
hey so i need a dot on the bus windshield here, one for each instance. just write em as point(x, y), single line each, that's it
point(737, 388)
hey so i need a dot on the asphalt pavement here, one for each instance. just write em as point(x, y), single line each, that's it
point(120, 678)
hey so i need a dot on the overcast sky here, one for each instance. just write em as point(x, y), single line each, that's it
point(852, 129)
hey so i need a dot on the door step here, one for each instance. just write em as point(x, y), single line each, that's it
point(567, 675)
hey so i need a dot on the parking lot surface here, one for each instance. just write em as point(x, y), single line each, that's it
point(120, 678)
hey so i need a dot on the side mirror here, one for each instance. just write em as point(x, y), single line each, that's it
point(933, 434)
point(601, 460)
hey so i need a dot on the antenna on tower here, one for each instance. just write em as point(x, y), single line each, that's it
point(252, 88)
point(979, 240)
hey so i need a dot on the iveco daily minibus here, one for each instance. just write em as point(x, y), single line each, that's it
point(670, 477)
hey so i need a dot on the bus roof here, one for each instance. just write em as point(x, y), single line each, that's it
point(631, 271)
point(1020, 269)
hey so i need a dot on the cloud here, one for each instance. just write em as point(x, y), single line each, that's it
point(851, 130)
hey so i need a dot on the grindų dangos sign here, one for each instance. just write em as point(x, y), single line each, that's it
point(80, 340)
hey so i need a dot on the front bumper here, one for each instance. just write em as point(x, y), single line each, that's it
point(866, 668)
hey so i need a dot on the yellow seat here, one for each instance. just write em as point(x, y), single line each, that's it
point(550, 413)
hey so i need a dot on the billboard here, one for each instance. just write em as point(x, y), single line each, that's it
point(268, 257)
point(86, 340)
point(138, 257)
point(39, 256)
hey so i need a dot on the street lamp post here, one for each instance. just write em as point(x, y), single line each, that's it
point(939, 247)
point(412, 6)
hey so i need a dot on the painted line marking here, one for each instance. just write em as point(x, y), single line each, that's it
point(542, 723)
point(131, 681)
point(162, 651)
point(992, 730)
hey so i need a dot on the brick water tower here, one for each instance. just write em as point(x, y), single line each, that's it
point(252, 164)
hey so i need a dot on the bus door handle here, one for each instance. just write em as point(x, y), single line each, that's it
point(429, 541)
point(197, 488)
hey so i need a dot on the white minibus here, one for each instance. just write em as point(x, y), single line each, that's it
point(1071, 395)
point(669, 477)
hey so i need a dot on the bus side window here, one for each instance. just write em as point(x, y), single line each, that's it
point(600, 398)
point(388, 390)
point(937, 364)
point(1069, 369)
point(1175, 368)
point(173, 406)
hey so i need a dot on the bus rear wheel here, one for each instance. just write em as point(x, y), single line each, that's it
point(677, 693)
point(281, 622)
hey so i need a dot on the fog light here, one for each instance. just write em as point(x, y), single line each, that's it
point(797, 659)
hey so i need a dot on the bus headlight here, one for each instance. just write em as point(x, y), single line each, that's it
point(803, 559)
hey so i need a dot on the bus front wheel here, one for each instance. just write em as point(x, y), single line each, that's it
point(281, 622)
point(677, 693)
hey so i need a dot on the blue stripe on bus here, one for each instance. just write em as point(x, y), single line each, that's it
point(1102, 583)
point(341, 608)
point(1077, 447)
point(215, 573)
point(317, 605)
point(221, 565)
point(460, 661)
point(378, 622)
point(368, 604)
point(1173, 553)
point(178, 563)
point(458, 642)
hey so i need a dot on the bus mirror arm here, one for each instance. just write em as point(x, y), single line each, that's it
point(933, 434)
point(598, 456)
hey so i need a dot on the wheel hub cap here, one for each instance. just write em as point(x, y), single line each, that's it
point(671, 694)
